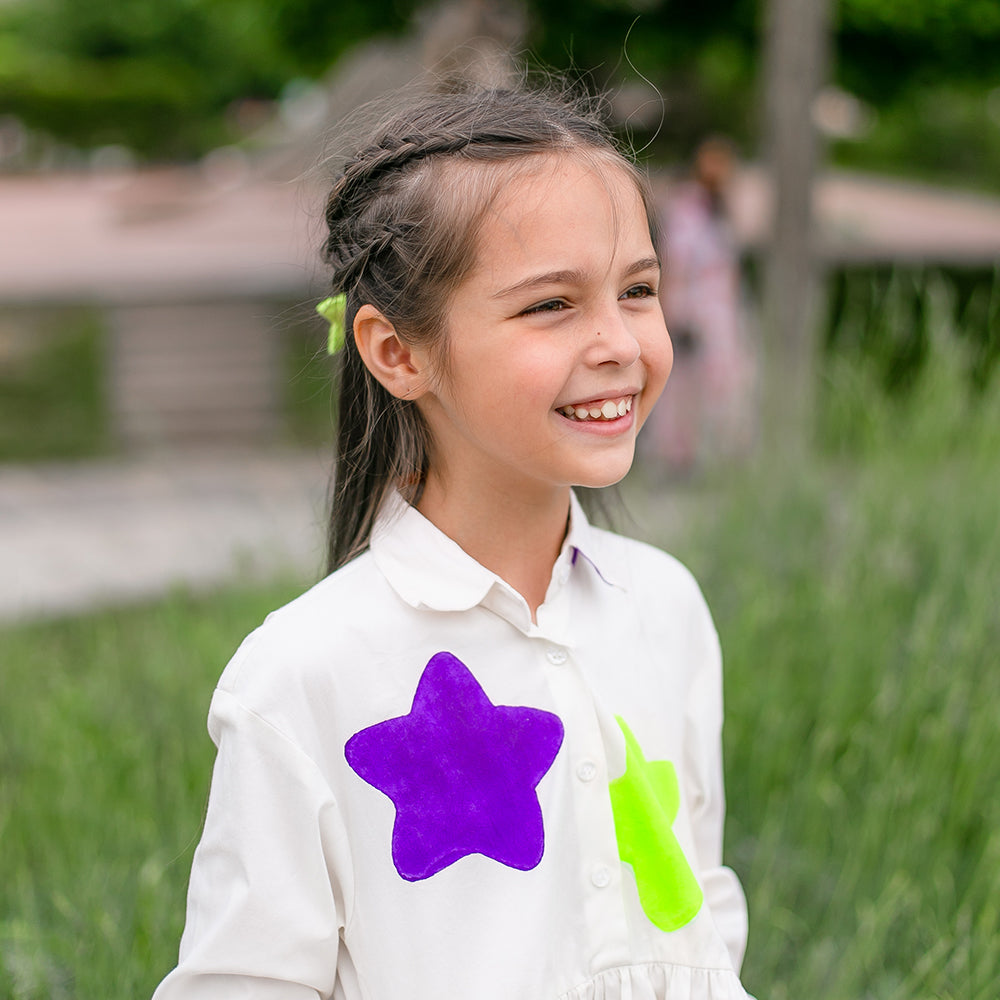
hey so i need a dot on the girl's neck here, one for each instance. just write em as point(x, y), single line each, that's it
point(517, 538)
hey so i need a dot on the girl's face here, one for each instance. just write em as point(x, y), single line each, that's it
point(556, 344)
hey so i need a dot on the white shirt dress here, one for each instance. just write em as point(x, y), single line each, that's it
point(421, 794)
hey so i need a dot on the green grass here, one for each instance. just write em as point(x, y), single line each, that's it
point(894, 330)
point(856, 598)
point(857, 604)
point(859, 617)
point(104, 770)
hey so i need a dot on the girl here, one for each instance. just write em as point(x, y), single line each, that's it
point(481, 759)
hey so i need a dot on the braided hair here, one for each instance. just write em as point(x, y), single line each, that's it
point(402, 221)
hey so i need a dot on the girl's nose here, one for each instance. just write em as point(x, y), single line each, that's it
point(613, 341)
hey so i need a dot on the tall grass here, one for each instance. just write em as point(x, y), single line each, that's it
point(104, 770)
point(856, 597)
point(911, 356)
point(858, 601)
point(859, 615)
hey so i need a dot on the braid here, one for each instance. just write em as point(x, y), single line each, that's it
point(393, 154)
point(348, 253)
point(350, 246)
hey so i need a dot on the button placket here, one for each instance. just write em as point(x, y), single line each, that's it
point(602, 909)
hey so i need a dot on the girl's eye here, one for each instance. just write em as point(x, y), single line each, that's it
point(552, 305)
point(639, 292)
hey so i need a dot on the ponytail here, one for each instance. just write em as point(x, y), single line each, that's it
point(381, 444)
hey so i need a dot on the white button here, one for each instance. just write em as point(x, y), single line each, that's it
point(587, 770)
point(601, 876)
point(556, 656)
point(564, 574)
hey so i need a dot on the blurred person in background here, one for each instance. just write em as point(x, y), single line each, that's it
point(706, 410)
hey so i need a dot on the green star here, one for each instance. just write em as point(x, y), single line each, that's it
point(644, 801)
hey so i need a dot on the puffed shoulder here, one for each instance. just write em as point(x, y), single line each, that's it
point(301, 642)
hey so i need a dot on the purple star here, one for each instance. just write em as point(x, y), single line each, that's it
point(461, 773)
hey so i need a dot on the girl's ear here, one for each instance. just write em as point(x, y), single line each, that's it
point(401, 369)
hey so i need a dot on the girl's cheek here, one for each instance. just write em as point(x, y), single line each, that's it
point(659, 373)
point(668, 357)
point(658, 357)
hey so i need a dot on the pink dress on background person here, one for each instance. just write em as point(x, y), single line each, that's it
point(706, 409)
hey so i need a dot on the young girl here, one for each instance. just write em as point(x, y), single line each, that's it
point(481, 759)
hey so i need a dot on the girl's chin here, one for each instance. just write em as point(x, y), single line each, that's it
point(610, 475)
point(599, 484)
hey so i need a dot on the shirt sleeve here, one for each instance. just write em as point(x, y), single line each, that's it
point(703, 763)
point(265, 905)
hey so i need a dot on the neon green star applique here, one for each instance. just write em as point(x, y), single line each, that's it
point(645, 801)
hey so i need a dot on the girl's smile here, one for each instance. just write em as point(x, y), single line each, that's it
point(602, 410)
point(603, 417)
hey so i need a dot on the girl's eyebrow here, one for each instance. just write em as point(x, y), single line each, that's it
point(572, 277)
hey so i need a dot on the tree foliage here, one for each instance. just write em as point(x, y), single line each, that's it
point(890, 47)
point(699, 57)
point(159, 75)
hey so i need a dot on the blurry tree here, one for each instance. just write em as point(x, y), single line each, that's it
point(159, 75)
point(929, 69)
point(701, 57)
point(888, 47)
point(796, 58)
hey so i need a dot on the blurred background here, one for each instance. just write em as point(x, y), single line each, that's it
point(826, 457)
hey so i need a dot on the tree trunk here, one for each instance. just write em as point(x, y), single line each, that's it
point(796, 46)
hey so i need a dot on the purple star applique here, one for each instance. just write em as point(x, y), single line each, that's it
point(461, 773)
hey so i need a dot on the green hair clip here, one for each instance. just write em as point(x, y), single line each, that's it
point(332, 310)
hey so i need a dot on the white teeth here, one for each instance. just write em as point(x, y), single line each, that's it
point(608, 410)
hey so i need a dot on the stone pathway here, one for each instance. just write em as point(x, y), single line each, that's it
point(75, 537)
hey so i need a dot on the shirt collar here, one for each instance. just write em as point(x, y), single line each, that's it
point(583, 541)
point(430, 570)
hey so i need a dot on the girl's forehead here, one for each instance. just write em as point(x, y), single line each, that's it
point(571, 174)
point(565, 206)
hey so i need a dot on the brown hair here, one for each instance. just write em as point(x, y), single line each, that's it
point(402, 219)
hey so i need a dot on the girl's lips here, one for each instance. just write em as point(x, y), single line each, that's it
point(610, 408)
